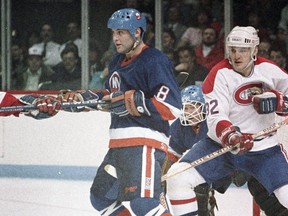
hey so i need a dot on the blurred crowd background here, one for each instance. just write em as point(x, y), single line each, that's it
point(46, 41)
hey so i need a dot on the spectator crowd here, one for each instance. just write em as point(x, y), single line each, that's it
point(193, 38)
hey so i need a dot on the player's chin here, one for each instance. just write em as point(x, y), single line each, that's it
point(120, 49)
point(238, 66)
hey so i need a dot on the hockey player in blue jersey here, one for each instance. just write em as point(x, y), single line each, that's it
point(144, 97)
point(242, 94)
point(193, 115)
point(187, 130)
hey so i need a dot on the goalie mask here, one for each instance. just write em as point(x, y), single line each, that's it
point(193, 106)
point(129, 19)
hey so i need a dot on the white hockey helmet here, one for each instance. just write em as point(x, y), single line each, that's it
point(242, 37)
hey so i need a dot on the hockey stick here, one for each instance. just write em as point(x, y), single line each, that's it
point(181, 78)
point(65, 105)
point(222, 151)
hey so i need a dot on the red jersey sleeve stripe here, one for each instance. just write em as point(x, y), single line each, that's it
point(163, 110)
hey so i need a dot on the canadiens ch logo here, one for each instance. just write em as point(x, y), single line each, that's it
point(114, 82)
point(243, 94)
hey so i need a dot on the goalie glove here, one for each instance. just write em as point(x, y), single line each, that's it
point(271, 101)
point(131, 102)
point(48, 106)
point(242, 142)
point(80, 96)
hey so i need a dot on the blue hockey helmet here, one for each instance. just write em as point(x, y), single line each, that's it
point(129, 19)
point(193, 106)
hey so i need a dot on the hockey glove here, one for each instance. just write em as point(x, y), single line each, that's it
point(131, 102)
point(242, 142)
point(48, 106)
point(271, 101)
point(80, 96)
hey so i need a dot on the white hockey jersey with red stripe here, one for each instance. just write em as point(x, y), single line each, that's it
point(229, 100)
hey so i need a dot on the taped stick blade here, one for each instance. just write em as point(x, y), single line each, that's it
point(181, 78)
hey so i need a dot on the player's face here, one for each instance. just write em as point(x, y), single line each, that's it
point(193, 112)
point(240, 57)
point(122, 40)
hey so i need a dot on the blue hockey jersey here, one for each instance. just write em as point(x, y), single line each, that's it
point(151, 72)
point(184, 137)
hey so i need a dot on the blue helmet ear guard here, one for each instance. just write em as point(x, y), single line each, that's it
point(129, 19)
point(193, 106)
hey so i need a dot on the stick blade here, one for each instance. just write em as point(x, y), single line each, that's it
point(182, 77)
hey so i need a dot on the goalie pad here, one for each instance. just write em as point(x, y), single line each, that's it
point(268, 203)
point(206, 200)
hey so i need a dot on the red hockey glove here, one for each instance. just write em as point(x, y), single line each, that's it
point(131, 102)
point(271, 101)
point(48, 106)
point(80, 96)
point(241, 141)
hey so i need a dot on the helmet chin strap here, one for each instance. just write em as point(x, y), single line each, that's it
point(248, 65)
point(135, 44)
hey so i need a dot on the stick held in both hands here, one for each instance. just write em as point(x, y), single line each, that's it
point(64, 105)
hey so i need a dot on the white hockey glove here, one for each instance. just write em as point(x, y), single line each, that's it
point(271, 101)
point(131, 102)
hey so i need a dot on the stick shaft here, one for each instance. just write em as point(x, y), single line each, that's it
point(198, 162)
point(222, 151)
point(271, 129)
point(64, 105)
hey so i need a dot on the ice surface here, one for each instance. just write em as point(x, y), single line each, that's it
point(46, 197)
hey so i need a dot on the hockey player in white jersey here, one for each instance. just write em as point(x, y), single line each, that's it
point(242, 94)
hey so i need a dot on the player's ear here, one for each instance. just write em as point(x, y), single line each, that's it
point(138, 33)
